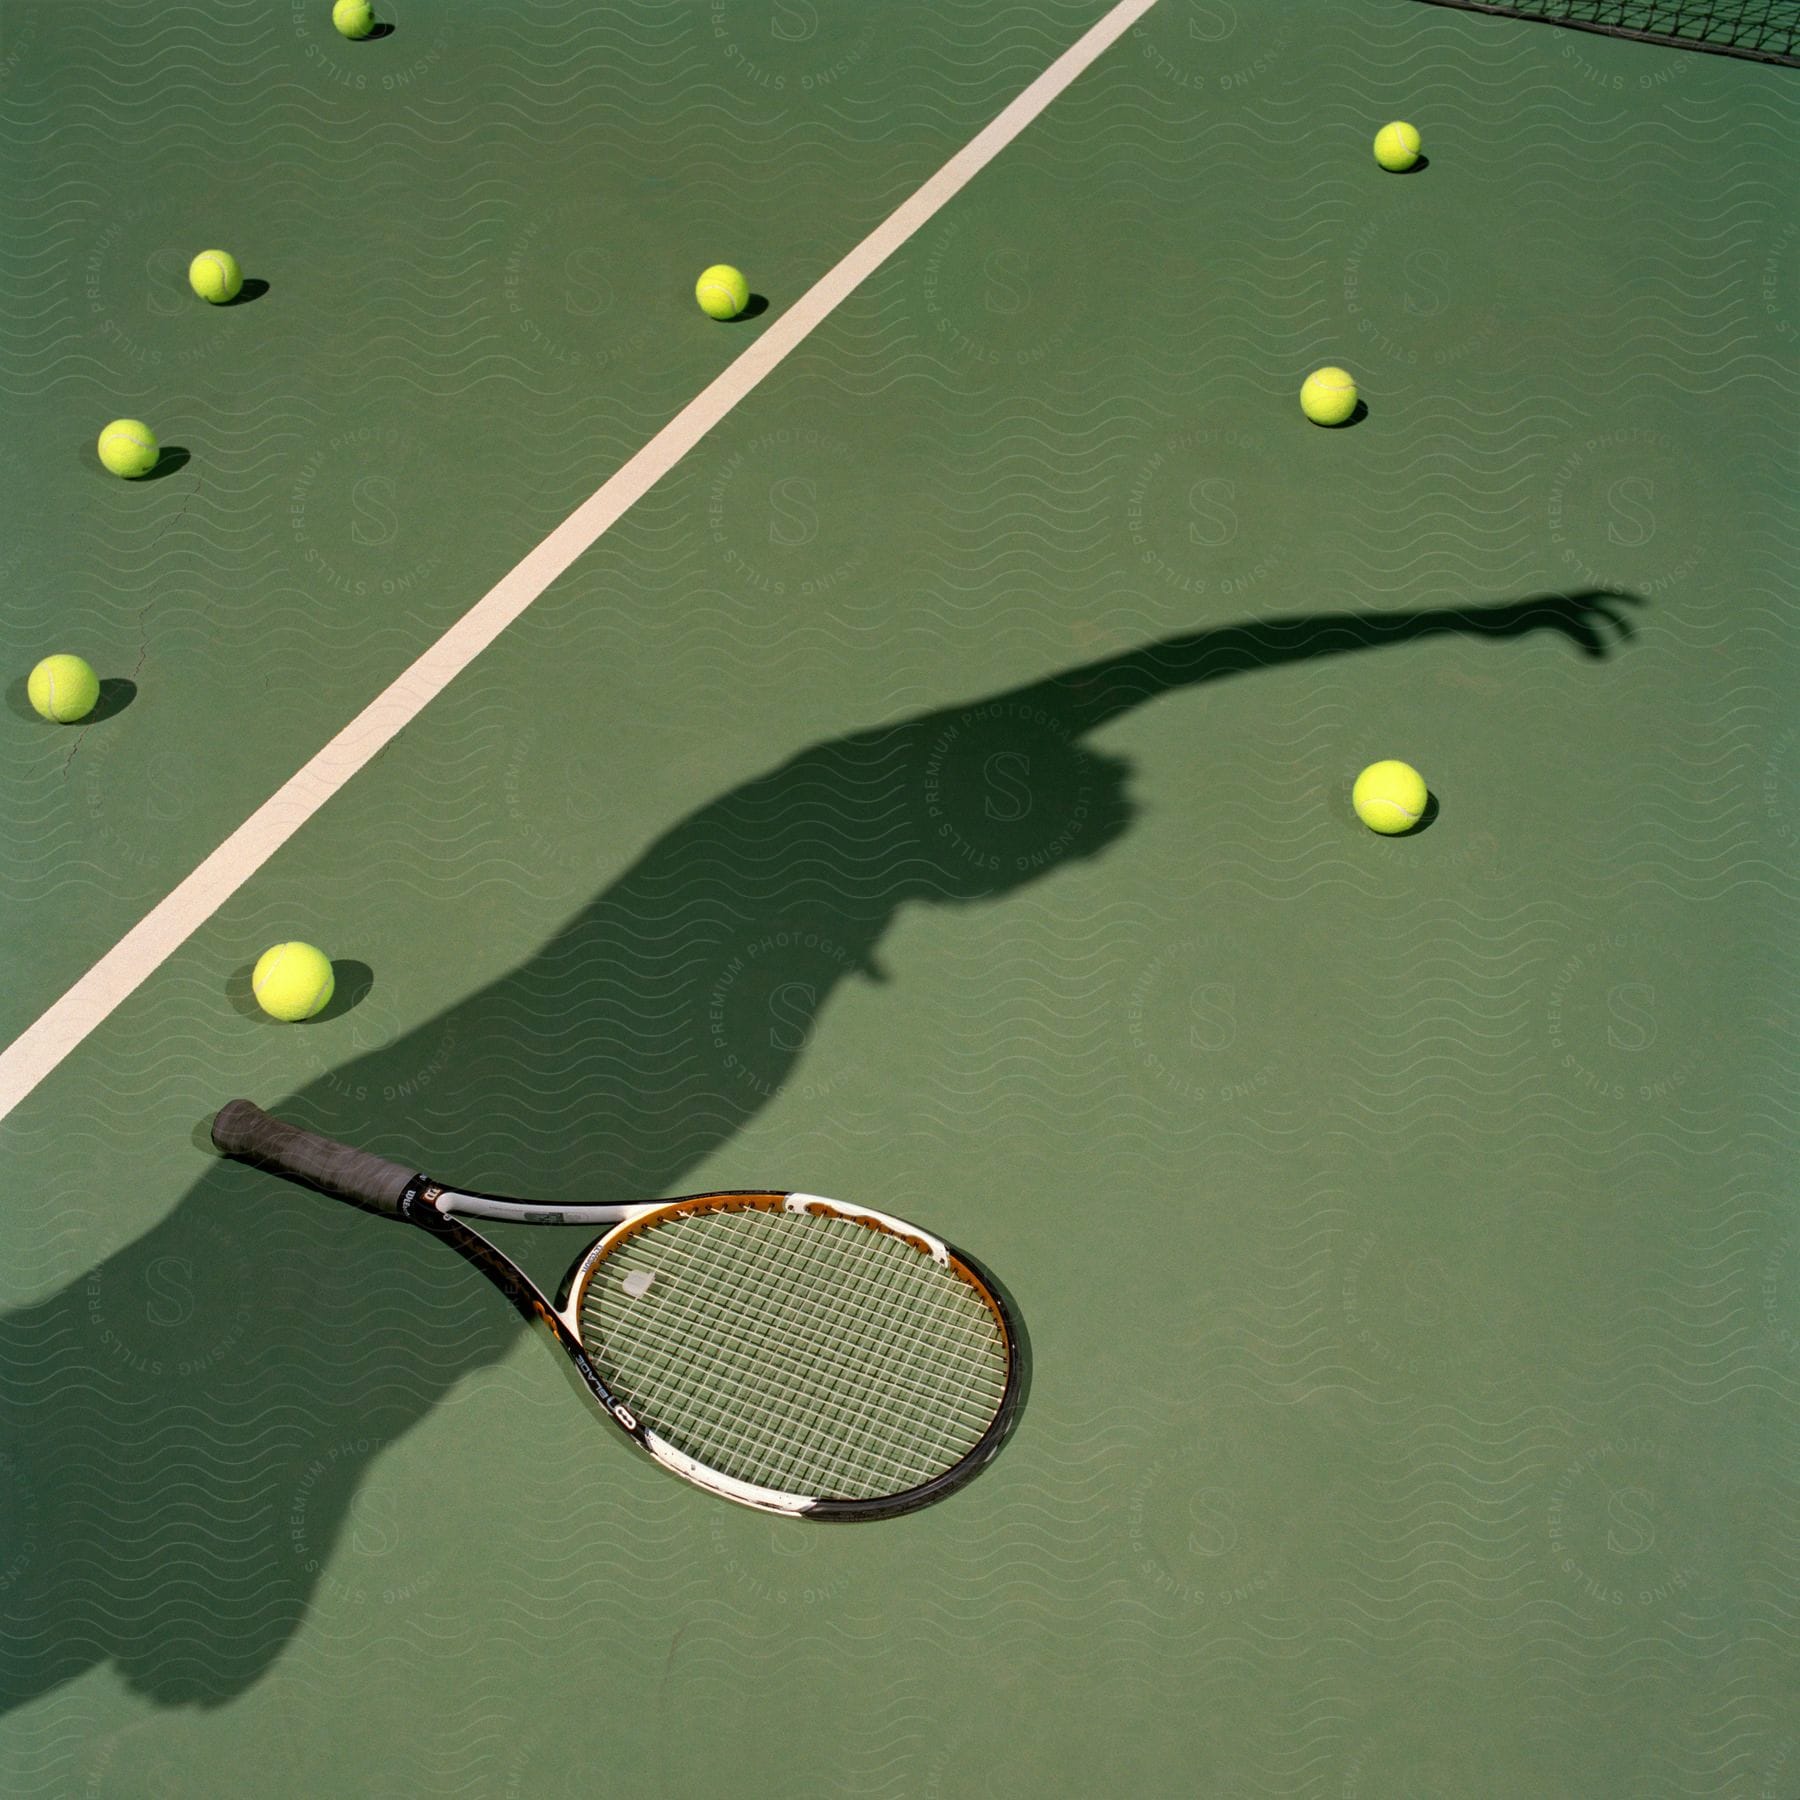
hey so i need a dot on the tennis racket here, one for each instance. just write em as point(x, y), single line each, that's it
point(785, 1351)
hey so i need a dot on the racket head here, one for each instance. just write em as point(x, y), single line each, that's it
point(797, 1354)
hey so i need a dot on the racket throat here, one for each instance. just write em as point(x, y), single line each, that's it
point(419, 1204)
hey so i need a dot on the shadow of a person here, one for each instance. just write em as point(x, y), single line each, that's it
point(173, 1412)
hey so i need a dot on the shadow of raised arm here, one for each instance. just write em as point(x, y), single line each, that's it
point(1594, 620)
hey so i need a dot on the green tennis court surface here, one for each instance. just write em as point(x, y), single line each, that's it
point(934, 792)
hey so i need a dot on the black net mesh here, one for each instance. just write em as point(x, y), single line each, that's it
point(1763, 30)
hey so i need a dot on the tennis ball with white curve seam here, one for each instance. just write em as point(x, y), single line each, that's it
point(722, 291)
point(1397, 147)
point(353, 18)
point(63, 688)
point(1389, 797)
point(292, 981)
point(128, 447)
point(1328, 396)
point(214, 275)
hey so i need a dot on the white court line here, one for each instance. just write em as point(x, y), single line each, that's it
point(43, 1044)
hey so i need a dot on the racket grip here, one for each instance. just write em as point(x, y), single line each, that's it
point(241, 1128)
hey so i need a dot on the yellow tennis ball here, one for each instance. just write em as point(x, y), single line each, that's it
point(1328, 396)
point(353, 18)
point(63, 688)
point(292, 981)
point(722, 291)
point(1389, 797)
point(214, 275)
point(1397, 146)
point(128, 448)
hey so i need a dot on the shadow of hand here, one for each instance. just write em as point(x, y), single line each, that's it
point(1595, 620)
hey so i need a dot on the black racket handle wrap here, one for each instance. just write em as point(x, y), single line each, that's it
point(242, 1128)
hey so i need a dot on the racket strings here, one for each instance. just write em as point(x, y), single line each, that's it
point(891, 1306)
point(759, 1402)
point(809, 1276)
point(802, 1352)
point(852, 1435)
point(923, 1335)
point(759, 1397)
